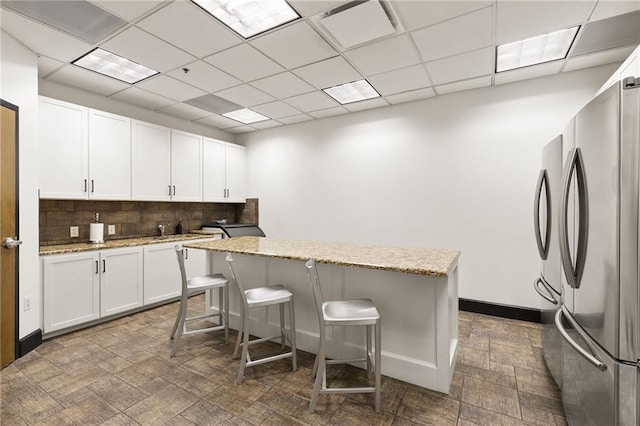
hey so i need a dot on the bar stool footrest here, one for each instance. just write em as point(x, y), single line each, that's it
point(348, 390)
point(269, 359)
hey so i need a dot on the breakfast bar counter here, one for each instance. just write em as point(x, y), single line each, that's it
point(415, 290)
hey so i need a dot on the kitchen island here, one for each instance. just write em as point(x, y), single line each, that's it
point(414, 289)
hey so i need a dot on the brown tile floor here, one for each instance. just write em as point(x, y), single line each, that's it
point(120, 373)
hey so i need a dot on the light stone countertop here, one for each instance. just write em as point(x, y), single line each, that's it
point(413, 260)
point(123, 242)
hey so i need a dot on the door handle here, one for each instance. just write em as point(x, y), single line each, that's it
point(174, 190)
point(92, 186)
point(543, 247)
point(104, 265)
point(546, 294)
point(10, 242)
point(85, 185)
point(589, 356)
point(574, 274)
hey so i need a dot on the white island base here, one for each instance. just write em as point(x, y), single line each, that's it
point(419, 313)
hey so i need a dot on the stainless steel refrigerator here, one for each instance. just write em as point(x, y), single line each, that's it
point(548, 285)
point(598, 236)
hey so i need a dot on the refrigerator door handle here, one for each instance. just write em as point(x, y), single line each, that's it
point(546, 293)
point(574, 274)
point(588, 355)
point(543, 247)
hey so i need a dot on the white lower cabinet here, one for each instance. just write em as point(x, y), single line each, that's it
point(71, 289)
point(120, 280)
point(83, 287)
point(161, 273)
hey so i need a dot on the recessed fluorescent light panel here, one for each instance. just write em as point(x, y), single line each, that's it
point(535, 50)
point(114, 66)
point(250, 17)
point(245, 116)
point(352, 92)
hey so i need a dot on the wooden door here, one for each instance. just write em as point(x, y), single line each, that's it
point(8, 228)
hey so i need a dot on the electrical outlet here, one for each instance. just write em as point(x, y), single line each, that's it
point(111, 229)
point(27, 303)
point(73, 231)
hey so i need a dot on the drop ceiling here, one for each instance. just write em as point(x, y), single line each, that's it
point(425, 49)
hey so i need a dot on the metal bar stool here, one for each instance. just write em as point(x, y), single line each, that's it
point(258, 297)
point(343, 312)
point(196, 285)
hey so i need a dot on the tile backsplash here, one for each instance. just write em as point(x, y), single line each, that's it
point(134, 218)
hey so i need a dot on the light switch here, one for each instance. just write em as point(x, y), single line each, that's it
point(73, 231)
point(111, 229)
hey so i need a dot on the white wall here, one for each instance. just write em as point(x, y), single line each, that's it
point(114, 106)
point(457, 171)
point(19, 86)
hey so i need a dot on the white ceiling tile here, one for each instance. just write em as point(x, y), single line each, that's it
point(283, 85)
point(245, 95)
point(327, 73)
point(244, 62)
point(42, 39)
point(136, 96)
point(277, 109)
point(386, 55)
point(47, 65)
point(267, 124)
point(600, 58)
point(184, 111)
point(359, 24)
point(205, 77)
point(461, 67)
point(418, 14)
point(88, 80)
point(410, 78)
point(526, 73)
point(312, 7)
point(240, 129)
point(517, 20)
point(145, 49)
point(329, 112)
point(171, 88)
point(219, 122)
point(311, 101)
point(368, 104)
point(413, 95)
point(294, 45)
point(129, 9)
point(462, 34)
point(609, 8)
point(461, 86)
point(190, 29)
point(299, 118)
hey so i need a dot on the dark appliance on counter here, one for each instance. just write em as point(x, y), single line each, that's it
point(236, 229)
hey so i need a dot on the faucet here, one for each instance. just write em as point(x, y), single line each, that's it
point(161, 228)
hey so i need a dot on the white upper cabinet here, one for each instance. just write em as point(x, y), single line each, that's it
point(109, 156)
point(224, 171)
point(186, 166)
point(150, 162)
point(64, 149)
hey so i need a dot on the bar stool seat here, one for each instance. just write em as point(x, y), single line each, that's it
point(352, 312)
point(262, 297)
point(197, 285)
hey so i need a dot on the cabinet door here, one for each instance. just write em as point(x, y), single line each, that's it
point(109, 156)
point(120, 280)
point(186, 166)
point(213, 164)
point(236, 173)
point(150, 162)
point(63, 149)
point(161, 273)
point(196, 262)
point(71, 287)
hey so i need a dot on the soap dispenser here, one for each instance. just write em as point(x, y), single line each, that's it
point(179, 228)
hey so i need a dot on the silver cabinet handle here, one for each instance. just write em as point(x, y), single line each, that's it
point(546, 294)
point(174, 190)
point(92, 186)
point(97, 268)
point(589, 356)
point(543, 247)
point(169, 190)
point(574, 274)
point(104, 265)
point(85, 185)
point(11, 242)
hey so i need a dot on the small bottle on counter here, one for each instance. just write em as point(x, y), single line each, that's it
point(179, 228)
